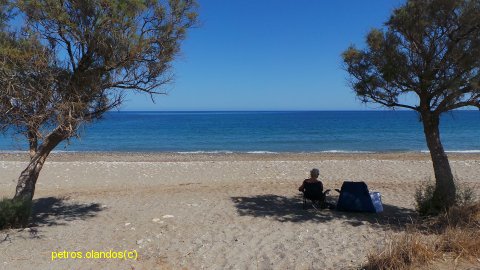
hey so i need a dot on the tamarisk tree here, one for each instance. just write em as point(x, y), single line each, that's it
point(430, 50)
point(73, 60)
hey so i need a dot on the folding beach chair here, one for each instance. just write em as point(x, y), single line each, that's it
point(314, 193)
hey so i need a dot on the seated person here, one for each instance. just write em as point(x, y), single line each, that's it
point(313, 180)
point(312, 190)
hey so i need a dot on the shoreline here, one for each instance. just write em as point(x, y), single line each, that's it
point(231, 156)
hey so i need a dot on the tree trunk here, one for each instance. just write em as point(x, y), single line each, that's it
point(28, 178)
point(32, 143)
point(444, 194)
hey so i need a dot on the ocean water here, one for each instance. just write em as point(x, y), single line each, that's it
point(259, 132)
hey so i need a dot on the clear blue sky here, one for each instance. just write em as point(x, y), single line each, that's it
point(269, 55)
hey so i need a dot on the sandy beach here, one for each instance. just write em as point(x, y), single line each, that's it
point(210, 211)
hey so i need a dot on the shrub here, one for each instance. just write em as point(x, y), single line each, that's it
point(426, 206)
point(464, 217)
point(456, 234)
point(14, 213)
point(424, 198)
point(465, 194)
point(462, 242)
point(402, 252)
point(454, 231)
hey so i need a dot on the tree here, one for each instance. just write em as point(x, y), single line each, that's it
point(74, 61)
point(5, 12)
point(430, 50)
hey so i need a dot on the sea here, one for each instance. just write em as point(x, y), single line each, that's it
point(265, 132)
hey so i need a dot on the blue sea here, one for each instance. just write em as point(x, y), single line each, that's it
point(261, 132)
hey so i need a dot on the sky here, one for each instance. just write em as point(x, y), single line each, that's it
point(269, 55)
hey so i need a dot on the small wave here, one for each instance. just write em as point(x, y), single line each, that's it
point(226, 152)
point(25, 151)
point(205, 152)
point(463, 151)
point(13, 151)
point(345, 152)
point(456, 151)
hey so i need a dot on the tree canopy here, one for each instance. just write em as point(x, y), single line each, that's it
point(71, 61)
point(429, 48)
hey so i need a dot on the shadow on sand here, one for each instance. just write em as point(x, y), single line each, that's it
point(51, 211)
point(289, 209)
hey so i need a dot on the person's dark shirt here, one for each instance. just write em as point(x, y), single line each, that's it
point(310, 181)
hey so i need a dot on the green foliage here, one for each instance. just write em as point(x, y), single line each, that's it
point(429, 48)
point(64, 64)
point(426, 203)
point(14, 213)
point(424, 198)
point(426, 58)
point(465, 195)
point(86, 54)
point(5, 13)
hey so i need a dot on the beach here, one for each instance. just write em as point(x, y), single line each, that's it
point(210, 211)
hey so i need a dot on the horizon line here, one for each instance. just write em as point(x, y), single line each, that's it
point(279, 110)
